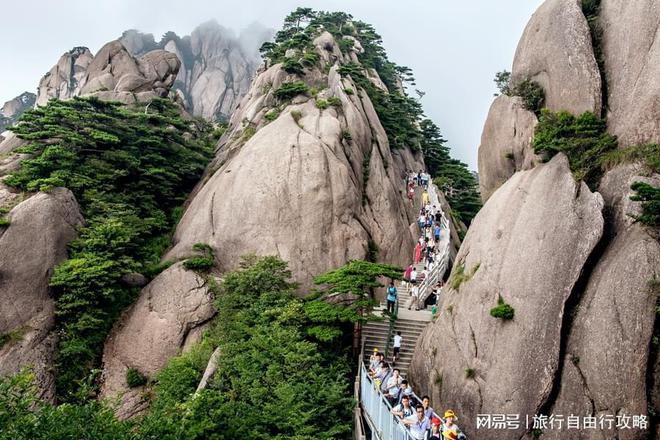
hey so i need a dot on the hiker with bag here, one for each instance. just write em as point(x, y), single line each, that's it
point(391, 298)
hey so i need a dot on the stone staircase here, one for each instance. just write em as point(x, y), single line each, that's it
point(410, 323)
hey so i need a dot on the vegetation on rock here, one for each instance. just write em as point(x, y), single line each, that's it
point(284, 373)
point(650, 198)
point(503, 310)
point(582, 138)
point(134, 378)
point(529, 91)
point(130, 171)
point(450, 175)
point(354, 284)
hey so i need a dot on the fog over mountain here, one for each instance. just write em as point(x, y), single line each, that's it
point(442, 41)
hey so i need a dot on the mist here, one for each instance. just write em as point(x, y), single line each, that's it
point(453, 48)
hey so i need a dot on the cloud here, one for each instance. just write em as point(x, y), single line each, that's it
point(454, 48)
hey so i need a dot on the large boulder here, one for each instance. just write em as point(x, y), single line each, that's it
point(297, 188)
point(528, 244)
point(30, 247)
point(63, 80)
point(631, 47)
point(164, 320)
point(112, 75)
point(555, 51)
point(617, 311)
point(505, 143)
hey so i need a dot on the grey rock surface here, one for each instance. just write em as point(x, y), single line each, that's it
point(505, 143)
point(555, 51)
point(152, 331)
point(63, 80)
point(40, 229)
point(606, 359)
point(310, 204)
point(528, 244)
point(631, 47)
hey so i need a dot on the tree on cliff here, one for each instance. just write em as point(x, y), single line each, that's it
point(450, 175)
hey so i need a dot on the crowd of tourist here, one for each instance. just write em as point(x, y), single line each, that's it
point(427, 248)
point(417, 415)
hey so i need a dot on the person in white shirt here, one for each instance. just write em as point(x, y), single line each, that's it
point(403, 409)
point(397, 345)
point(418, 423)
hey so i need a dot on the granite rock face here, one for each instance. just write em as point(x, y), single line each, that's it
point(505, 143)
point(217, 66)
point(157, 327)
point(64, 79)
point(616, 310)
point(528, 245)
point(50, 220)
point(13, 109)
point(555, 51)
point(113, 74)
point(631, 48)
point(310, 204)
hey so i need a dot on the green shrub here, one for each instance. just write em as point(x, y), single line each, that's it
point(321, 104)
point(203, 262)
point(346, 44)
point(219, 131)
point(502, 311)
point(460, 276)
point(272, 115)
point(13, 336)
point(470, 373)
point(4, 222)
point(134, 378)
point(346, 135)
point(293, 66)
point(334, 101)
point(582, 138)
point(531, 92)
point(349, 91)
point(291, 90)
point(650, 197)
point(199, 264)
point(24, 416)
point(532, 95)
point(647, 154)
point(274, 349)
point(310, 58)
point(248, 132)
point(130, 171)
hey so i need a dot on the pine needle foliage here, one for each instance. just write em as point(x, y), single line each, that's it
point(130, 170)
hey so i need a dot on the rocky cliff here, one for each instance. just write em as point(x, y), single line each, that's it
point(112, 74)
point(308, 175)
point(579, 271)
point(38, 226)
point(14, 108)
point(217, 67)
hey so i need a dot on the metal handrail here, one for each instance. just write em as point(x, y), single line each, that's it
point(426, 286)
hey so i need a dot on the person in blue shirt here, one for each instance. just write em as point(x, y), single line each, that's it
point(436, 232)
point(391, 298)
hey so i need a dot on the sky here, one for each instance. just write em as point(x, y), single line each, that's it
point(453, 47)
